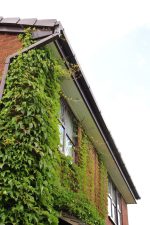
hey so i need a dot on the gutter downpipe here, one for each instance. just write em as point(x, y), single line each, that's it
point(9, 59)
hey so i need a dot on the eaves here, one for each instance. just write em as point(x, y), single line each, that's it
point(51, 31)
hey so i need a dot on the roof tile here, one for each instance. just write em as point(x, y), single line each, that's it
point(10, 20)
point(29, 22)
point(46, 22)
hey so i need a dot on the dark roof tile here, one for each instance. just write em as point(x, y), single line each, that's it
point(40, 34)
point(29, 22)
point(46, 22)
point(10, 20)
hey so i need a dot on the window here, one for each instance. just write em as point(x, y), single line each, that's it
point(67, 130)
point(114, 204)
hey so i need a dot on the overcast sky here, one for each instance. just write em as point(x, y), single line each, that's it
point(111, 40)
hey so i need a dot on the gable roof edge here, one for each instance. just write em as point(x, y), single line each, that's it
point(67, 52)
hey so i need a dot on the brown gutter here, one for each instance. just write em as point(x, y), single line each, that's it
point(9, 59)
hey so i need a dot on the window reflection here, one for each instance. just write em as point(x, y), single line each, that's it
point(68, 147)
point(61, 132)
point(114, 203)
point(67, 130)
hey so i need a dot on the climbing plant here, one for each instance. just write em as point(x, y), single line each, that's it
point(92, 174)
point(37, 182)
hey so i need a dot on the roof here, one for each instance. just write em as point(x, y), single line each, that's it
point(51, 29)
point(16, 21)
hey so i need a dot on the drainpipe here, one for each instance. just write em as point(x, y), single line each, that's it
point(36, 45)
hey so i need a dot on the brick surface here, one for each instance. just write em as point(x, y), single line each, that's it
point(109, 222)
point(9, 44)
point(92, 181)
point(124, 212)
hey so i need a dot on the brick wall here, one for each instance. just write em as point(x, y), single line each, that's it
point(9, 44)
point(94, 182)
point(109, 222)
point(124, 212)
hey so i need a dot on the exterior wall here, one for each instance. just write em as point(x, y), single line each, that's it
point(9, 44)
point(93, 178)
point(109, 222)
point(124, 214)
point(95, 182)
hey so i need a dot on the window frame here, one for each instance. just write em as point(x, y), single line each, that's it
point(65, 110)
point(114, 203)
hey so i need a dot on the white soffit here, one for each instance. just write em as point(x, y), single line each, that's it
point(82, 113)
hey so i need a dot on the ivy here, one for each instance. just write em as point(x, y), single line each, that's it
point(78, 204)
point(37, 181)
point(103, 188)
point(28, 128)
point(86, 164)
point(26, 37)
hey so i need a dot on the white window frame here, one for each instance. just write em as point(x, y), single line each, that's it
point(114, 204)
point(64, 136)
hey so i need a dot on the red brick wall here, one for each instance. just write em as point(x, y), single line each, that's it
point(109, 222)
point(9, 44)
point(94, 182)
point(124, 214)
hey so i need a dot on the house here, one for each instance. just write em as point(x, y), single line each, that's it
point(58, 161)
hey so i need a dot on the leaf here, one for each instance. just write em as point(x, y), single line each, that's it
point(1, 165)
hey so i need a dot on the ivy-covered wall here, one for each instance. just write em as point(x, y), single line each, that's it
point(93, 172)
point(37, 181)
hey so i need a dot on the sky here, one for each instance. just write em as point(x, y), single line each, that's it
point(111, 40)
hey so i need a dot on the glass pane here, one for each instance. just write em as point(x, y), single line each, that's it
point(109, 207)
point(68, 147)
point(114, 195)
point(119, 201)
point(69, 125)
point(114, 216)
point(119, 219)
point(109, 187)
point(62, 111)
point(61, 132)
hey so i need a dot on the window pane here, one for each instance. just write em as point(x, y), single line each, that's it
point(114, 204)
point(119, 202)
point(119, 219)
point(62, 111)
point(61, 132)
point(114, 195)
point(114, 215)
point(109, 187)
point(109, 207)
point(69, 125)
point(68, 147)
